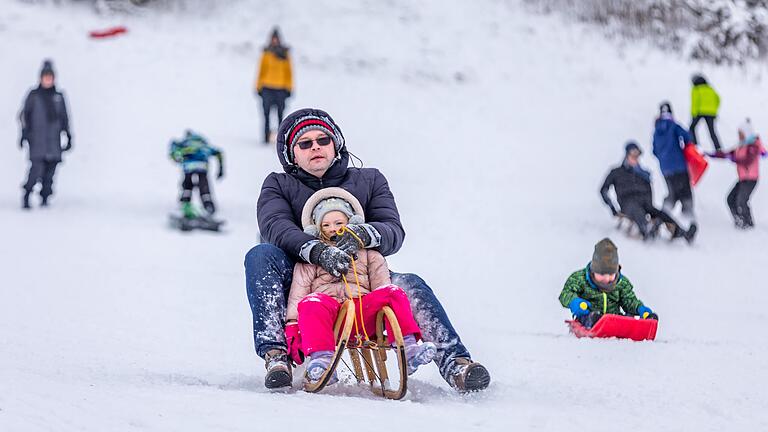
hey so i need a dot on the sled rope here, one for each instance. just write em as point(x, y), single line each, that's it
point(357, 283)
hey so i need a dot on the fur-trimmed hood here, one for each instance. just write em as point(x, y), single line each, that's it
point(310, 226)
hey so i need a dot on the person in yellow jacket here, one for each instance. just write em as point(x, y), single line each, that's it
point(274, 81)
point(704, 105)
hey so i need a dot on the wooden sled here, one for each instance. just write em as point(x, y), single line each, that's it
point(368, 358)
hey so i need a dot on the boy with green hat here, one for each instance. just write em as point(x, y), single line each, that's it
point(601, 289)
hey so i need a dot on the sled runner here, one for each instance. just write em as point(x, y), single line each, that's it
point(204, 223)
point(368, 357)
point(618, 326)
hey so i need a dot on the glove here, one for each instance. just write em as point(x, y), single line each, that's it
point(614, 212)
point(21, 141)
point(68, 147)
point(354, 238)
point(645, 313)
point(332, 259)
point(258, 92)
point(579, 306)
point(220, 174)
point(293, 343)
point(287, 94)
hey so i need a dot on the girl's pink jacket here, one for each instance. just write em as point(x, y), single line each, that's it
point(372, 273)
point(747, 158)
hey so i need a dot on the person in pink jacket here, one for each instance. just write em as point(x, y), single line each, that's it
point(747, 157)
point(316, 296)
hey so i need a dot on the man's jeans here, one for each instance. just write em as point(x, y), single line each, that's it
point(268, 276)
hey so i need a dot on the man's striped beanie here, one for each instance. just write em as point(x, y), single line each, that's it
point(303, 121)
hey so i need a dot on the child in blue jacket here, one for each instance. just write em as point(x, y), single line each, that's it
point(192, 153)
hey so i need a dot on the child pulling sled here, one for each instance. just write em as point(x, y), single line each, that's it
point(192, 153)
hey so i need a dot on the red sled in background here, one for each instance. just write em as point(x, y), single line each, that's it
point(618, 326)
point(107, 33)
point(695, 161)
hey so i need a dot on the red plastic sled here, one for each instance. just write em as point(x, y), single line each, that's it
point(696, 163)
point(618, 326)
point(110, 32)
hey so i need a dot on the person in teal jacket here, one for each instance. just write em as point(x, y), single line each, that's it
point(192, 153)
point(600, 289)
point(704, 105)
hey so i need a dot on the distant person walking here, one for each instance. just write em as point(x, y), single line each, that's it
point(669, 138)
point(704, 105)
point(274, 82)
point(43, 119)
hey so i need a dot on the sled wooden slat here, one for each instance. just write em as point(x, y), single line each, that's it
point(369, 359)
point(347, 317)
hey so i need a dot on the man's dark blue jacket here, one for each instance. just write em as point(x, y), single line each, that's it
point(283, 196)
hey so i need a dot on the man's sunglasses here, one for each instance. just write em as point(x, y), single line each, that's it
point(307, 144)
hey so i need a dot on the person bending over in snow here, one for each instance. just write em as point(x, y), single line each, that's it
point(193, 152)
point(747, 158)
point(316, 295)
point(632, 185)
point(601, 289)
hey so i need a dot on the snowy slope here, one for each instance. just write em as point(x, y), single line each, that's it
point(494, 128)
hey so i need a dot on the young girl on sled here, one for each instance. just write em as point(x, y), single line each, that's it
point(316, 296)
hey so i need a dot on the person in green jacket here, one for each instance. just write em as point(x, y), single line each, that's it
point(600, 289)
point(704, 105)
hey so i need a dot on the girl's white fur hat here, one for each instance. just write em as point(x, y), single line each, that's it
point(325, 201)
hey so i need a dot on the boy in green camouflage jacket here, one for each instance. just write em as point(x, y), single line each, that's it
point(600, 289)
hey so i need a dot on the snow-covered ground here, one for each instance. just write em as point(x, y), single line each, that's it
point(495, 129)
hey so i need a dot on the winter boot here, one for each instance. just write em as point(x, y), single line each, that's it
point(467, 376)
point(691, 233)
point(278, 370)
point(43, 201)
point(209, 207)
point(25, 201)
point(318, 363)
point(589, 320)
point(188, 210)
point(418, 355)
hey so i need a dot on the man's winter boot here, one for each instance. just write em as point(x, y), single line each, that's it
point(278, 370)
point(318, 363)
point(418, 355)
point(44, 201)
point(467, 376)
point(25, 201)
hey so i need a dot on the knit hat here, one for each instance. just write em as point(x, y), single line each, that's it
point(632, 145)
point(605, 259)
point(47, 68)
point(301, 122)
point(748, 131)
point(325, 201)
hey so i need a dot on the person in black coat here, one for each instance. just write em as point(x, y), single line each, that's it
point(632, 186)
point(43, 119)
point(314, 155)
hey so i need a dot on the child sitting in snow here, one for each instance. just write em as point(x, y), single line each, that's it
point(316, 296)
point(600, 289)
point(747, 158)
